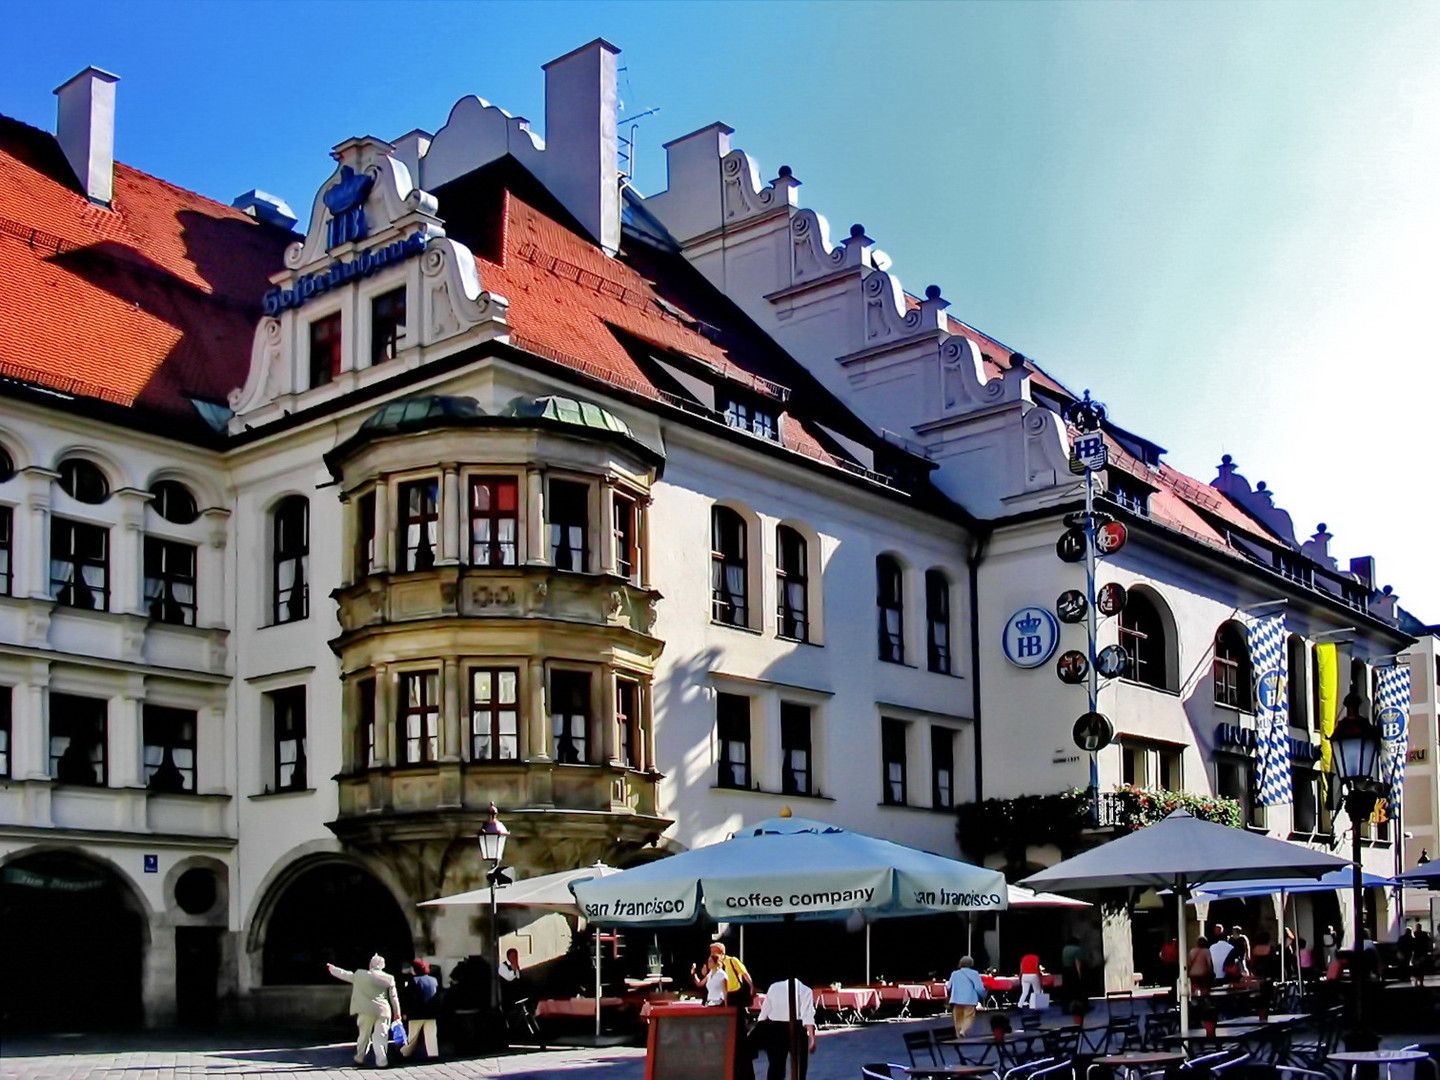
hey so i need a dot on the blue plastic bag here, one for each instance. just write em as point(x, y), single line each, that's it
point(397, 1033)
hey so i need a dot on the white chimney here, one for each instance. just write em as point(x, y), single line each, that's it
point(582, 164)
point(85, 129)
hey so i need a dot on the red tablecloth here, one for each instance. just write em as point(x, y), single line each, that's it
point(899, 993)
point(856, 998)
point(1002, 983)
point(566, 1007)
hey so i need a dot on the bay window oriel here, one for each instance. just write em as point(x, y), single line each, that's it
point(494, 714)
point(418, 720)
point(568, 512)
point(418, 524)
point(570, 713)
point(494, 520)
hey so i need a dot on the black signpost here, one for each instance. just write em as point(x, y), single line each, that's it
point(1088, 536)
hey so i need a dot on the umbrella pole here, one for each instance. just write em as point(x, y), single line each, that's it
point(795, 1028)
point(597, 983)
point(1182, 983)
point(867, 954)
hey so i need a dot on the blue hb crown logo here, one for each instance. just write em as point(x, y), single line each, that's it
point(346, 203)
point(1028, 625)
point(1392, 722)
point(1030, 637)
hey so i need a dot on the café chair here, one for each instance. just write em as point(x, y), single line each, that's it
point(881, 1071)
point(923, 1042)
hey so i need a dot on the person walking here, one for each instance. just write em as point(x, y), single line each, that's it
point(711, 979)
point(1200, 966)
point(1220, 950)
point(772, 1028)
point(966, 991)
point(739, 987)
point(1031, 981)
point(420, 1000)
point(373, 1003)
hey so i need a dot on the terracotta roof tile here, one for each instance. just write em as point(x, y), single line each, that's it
point(146, 303)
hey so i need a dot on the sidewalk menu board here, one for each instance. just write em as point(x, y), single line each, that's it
point(690, 1042)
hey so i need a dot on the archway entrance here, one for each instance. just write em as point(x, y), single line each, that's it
point(332, 913)
point(73, 943)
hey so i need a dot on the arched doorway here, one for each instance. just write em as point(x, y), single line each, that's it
point(334, 913)
point(66, 917)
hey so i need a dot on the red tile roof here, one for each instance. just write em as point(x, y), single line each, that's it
point(144, 304)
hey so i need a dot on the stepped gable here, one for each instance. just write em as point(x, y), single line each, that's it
point(570, 302)
point(144, 304)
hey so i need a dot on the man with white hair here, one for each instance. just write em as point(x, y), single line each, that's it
point(373, 1002)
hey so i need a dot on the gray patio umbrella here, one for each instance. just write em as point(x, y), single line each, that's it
point(1427, 872)
point(1181, 853)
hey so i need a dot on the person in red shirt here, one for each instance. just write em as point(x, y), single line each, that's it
point(1030, 972)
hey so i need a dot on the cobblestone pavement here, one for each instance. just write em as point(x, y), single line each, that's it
point(176, 1056)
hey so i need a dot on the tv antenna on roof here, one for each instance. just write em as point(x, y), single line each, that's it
point(627, 143)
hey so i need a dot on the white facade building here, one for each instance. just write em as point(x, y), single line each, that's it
point(638, 517)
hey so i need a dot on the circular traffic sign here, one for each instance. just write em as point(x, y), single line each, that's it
point(1112, 661)
point(1072, 667)
point(1110, 598)
point(1071, 545)
point(1109, 538)
point(1071, 606)
point(1092, 732)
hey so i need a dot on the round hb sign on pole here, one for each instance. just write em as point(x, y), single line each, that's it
point(1110, 598)
point(1071, 545)
point(1112, 661)
point(1071, 606)
point(1109, 538)
point(1072, 667)
point(1092, 732)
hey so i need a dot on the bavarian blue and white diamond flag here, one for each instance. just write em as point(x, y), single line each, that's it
point(1392, 711)
point(1272, 710)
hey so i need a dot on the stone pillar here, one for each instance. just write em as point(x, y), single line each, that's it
point(646, 705)
point(642, 542)
point(29, 724)
point(609, 730)
point(384, 715)
point(158, 991)
point(212, 749)
point(537, 715)
point(127, 557)
point(450, 740)
point(606, 549)
point(350, 571)
point(32, 537)
point(537, 552)
point(384, 533)
point(449, 541)
point(125, 724)
point(210, 590)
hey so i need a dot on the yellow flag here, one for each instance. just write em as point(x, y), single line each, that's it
point(1327, 676)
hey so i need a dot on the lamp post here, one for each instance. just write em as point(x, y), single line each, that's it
point(493, 835)
point(1356, 744)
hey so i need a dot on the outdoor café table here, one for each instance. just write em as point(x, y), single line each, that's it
point(1006, 1050)
point(849, 1004)
point(1355, 1058)
point(1198, 1038)
point(946, 1072)
point(1273, 1018)
point(554, 1008)
point(1137, 1061)
point(902, 994)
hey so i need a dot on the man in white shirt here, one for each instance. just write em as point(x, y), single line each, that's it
point(1220, 950)
point(772, 1030)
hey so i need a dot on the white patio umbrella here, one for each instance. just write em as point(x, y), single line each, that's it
point(790, 868)
point(1180, 853)
point(1284, 887)
point(550, 891)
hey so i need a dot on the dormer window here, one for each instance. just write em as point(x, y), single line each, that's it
point(750, 417)
point(1128, 492)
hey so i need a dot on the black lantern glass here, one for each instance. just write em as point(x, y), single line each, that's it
point(492, 838)
point(1356, 743)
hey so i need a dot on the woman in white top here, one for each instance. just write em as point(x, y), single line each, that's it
point(711, 979)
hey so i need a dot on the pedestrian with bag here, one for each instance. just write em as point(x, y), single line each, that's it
point(966, 992)
point(373, 1003)
point(420, 998)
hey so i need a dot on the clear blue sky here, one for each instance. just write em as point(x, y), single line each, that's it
point(1223, 218)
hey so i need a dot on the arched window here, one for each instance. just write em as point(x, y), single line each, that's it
point(729, 568)
point(890, 600)
point(83, 481)
point(937, 622)
point(173, 501)
point(792, 584)
point(1142, 635)
point(7, 465)
point(290, 592)
point(1234, 680)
